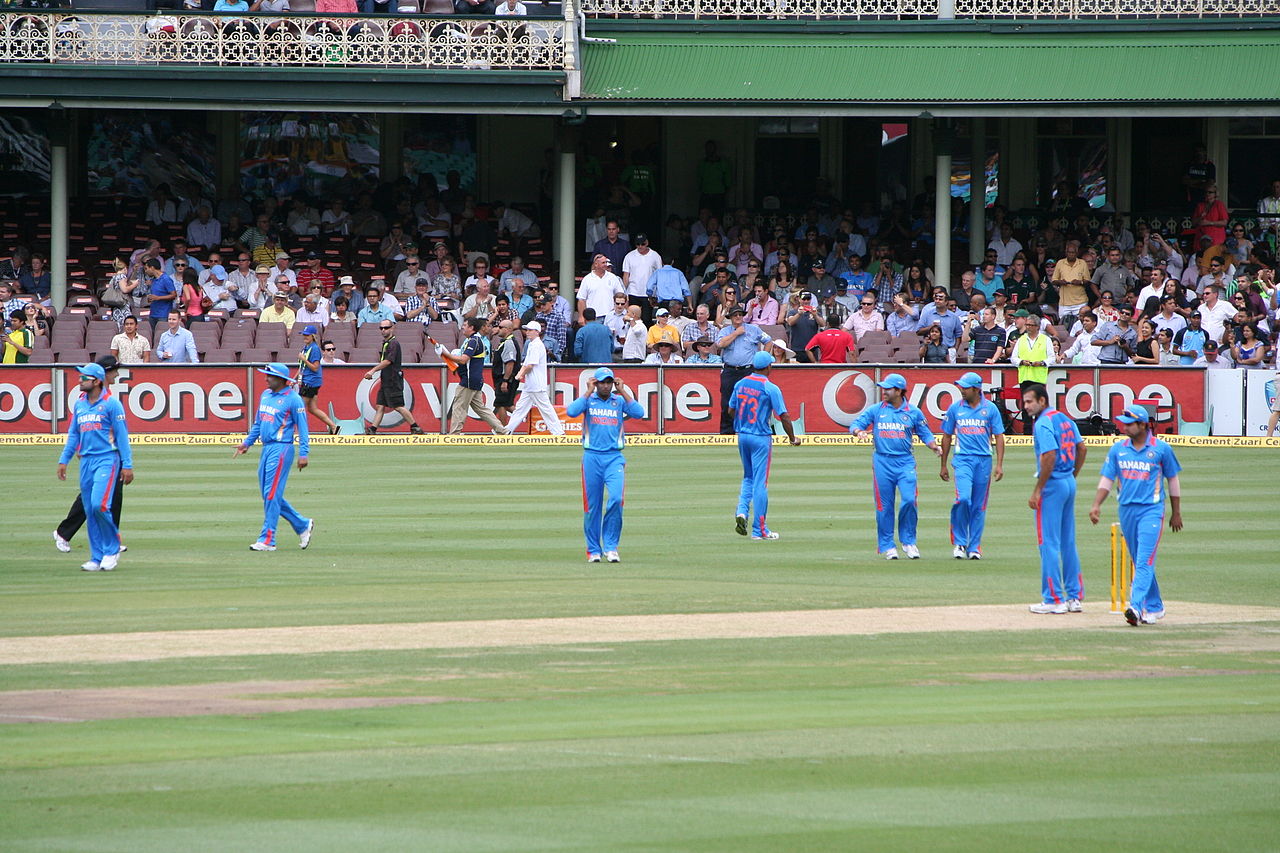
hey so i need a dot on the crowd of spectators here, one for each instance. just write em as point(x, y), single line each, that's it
point(837, 283)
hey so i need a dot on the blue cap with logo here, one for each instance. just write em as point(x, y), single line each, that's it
point(1134, 415)
point(603, 373)
point(894, 380)
point(761, 360)
point(970, 380)
point(309, 330)
point(94, 370)
point(275, 369)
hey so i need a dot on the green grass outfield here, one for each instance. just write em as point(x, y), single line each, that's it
point(1160, 738)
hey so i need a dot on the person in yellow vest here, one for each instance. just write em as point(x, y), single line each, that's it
point(1032, 354)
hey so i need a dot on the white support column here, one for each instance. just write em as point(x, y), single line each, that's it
point(566, 219)
point(942, 203)
point(58, 206)
point(977, 189)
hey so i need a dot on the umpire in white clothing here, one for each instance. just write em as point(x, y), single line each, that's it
point(533, 383)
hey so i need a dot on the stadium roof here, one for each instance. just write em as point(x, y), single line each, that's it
point(936, 68)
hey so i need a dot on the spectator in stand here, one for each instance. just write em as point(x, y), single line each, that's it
point(342, 312)
point(19, 341)
point(638, 267)
point(508, 278)
point(279, 312)
point(314, 271)
point(180, 255)
point(593, 344)
point(933, 350)
point(832, 345)
point(1210, 358)
point(599, 287)
point(1219, 276)
point(1164, 349)
point(1005, 246)
point(612, 246)
point(887, 283)
point(374, 311)
point(1074, 282)
point(395, 247)
point(439, 251)
point(782, 253)
point(737, 342)
point(662, 330)
point(192, 299)
point(903, 318)
point(1210, 216)
point(1189, 343)
point(762, 309)
point(163, 293)
point(35, 279)
point(745, 250)
point(802, 322)
point(1269, 207)
point(1168, 318)
point(702, 353)
point(421, 307)
point(1113, 276)
point(1019, 286)
point(244, 278)
point(1239, 245)
point(480, 272)
point(204, 230)
point(1215, 313)
point(407, 279)
point(511, 7)
point(668, 285)
point(700, 328)
point(866, 319)
point(1118, 339)
point(665, 353)
point(555, 329)
point(988, 282)
point(329, 354)
point(963, 295)
point(821, 284)
point(635, 336)
point(447, 284)
point(1249, 351)
point(481, 303)
point(175, 344)
point(985, 336)
point(951, 323)
point(129, 347)
point(1144, 351)
point(728, 300)
point(312, 313)
point(347, 290)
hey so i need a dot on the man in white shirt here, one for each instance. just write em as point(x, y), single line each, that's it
point(282, 271)
point(311, 313)
point(407, 280)
point(635, 341)
point(204, 230)
point(1005, 245)
point(1083, 345)
point(1168, 318)
point(481, 273)
point(481, 303)
point(1210, 358)
point(512, 223)
point(638, 267)
point(1215, 313)
point(598, 288)
point(263, 291)
point(533, 383)
point(517, 271)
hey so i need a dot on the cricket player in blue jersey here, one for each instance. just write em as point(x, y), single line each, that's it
point(891, 425)
point(1059, 458)
point(1138, 467)
point(280, 414)
point(603, 467)
point(975, 422)
point(755, 401)
point(99, 435)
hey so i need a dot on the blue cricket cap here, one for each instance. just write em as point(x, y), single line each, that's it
point(603, 373)
point(893, 380)
point(309, 330)
point(94, 370)
point(275, 369)
point(970, 380)
point(761, 360)
point(1133, 415)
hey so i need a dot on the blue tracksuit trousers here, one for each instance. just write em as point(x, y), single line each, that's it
point(1142, 526)
point(273, 476)
point(753, 499)
point(972, 477)
point(894, 472)
point(1060, 574)
point(601, 472)
point(98, 475)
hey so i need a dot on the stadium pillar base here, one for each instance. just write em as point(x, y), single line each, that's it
point(977, 190)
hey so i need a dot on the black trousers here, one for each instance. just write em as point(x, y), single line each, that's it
point(729, 377)
point(75, 516)
point(646, 310)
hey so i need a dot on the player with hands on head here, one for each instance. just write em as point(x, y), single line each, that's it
point(1138, 467)
point(606, 405)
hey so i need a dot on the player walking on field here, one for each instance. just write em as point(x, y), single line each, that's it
point(534, 384)
point(603, 466)
point(1138, 467)
point(754, 401)
point(975, 422)
point(99, 435)
point(1059, 458)
point(76, 517)
point(280, 415)
point(891, 425)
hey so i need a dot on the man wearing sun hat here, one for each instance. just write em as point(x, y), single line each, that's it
point(280, 415)
point(755, 401)
point(1138, 467)
point(603, 411)
point(891, 426)
point(974, 421)
point(99, 435)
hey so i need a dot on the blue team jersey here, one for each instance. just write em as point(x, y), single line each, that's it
point(891, 429)
point(97, 429)
point(310, 352)
point(602, 428)
point(1139, 472)
point(754, 402)
point(973, 427)
point(1055, 431)
point(280, 415)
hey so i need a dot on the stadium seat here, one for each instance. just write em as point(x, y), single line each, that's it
point(221, 356)
point(74, 356)
point(258, 355)
point(363, 356)
point(874, 336)
point(1204, 427)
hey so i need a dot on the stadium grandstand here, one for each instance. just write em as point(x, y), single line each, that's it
point(1024, 156)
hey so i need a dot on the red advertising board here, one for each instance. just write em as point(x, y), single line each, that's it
point(823, 399)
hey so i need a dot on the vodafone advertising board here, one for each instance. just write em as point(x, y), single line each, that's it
point(824, 399)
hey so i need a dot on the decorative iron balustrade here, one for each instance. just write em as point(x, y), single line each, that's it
point(308, 41)
point(924, 9)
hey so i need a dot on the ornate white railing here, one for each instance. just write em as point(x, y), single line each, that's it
point(929, 9)
point(293, 41)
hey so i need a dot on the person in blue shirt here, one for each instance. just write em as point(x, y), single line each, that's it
point(975, 422)
point(756, 400)
point(668, 284)
point(162, 291)
point(936, 313)
point(311, 377)
point(737, 341)
point(280, 415)
point(593, 344)
point(1138, 467)
point(603, 467)
point(891, 425)
point(99, 435)
point(1059, 457)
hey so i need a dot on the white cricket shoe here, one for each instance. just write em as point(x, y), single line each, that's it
point(91, 566)
point(593, 558)
point(1074, 606)
point(740, 524)
point(1152, 617)
point(261, 546)
point(612, 556)
point(61, 544)
point(304, 538)
point(975, 555)
point(891, 554)
point(1048, 607)
point(766, 536)
point(110, 561)
point(911, 551)
point(958, 552)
